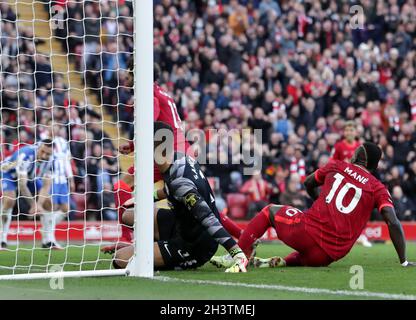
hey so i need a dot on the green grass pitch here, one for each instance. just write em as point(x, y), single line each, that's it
point(382, 274)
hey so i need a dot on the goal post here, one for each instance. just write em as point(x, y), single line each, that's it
point(142, 263)
point(64, 86)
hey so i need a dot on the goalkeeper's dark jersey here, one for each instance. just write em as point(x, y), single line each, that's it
point(193, 202)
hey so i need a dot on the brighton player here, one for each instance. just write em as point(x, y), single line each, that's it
point(327, 231)
point(26, 173)
point(198, 230)
point(62, 184)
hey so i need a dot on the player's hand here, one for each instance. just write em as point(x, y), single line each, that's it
point(35, 209)
point(240, 261)
point(125, 148)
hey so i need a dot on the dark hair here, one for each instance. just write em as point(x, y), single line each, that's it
point(159, 125)
point(163, 131)
point(47, 142)
point(156, 69)
point(367, 155)
point(156, 72)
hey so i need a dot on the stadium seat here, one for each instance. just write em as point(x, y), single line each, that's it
point(237, 205)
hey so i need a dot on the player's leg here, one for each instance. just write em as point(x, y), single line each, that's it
point(47, 218)
point(174, 253)
point(230, 226)
point(122, 193)
point(290, 228)
point(59, 208)
point(163, 222)
point(254, 230)
point(123, 256)
point(8, 201)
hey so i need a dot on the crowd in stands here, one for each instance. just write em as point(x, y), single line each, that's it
point(298, 70)
point(31, 96)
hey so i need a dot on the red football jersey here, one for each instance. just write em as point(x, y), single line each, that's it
point(344, 151)
point(165, 111)
point(348, 195)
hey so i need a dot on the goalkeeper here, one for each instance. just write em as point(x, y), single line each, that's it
point(198, 230)
point(165, 111)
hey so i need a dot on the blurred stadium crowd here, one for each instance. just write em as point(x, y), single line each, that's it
point(295, 69)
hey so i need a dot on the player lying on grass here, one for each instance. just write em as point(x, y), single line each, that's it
point(327, 231)
point(27, 173)
point(198, 231)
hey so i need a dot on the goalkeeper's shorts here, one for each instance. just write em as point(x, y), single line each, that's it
point(179, 254)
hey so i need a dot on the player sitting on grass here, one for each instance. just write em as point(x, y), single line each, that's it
point(198, 230)
point(327, 231)
point(27, 173)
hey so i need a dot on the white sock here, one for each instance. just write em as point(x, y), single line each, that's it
point(6, 219)
point(57, 217)
point(48, 227)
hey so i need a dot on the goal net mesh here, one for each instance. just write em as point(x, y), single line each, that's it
point(64, 76)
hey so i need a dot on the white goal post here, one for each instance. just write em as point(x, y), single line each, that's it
point(142, 263)
point(24, 263)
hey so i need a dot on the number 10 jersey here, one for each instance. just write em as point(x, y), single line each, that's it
point(349, 193)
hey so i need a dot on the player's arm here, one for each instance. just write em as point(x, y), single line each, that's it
point(22, 178)
point(396, 234)
point(44, 192)
point(46, 176)
point(316, 179)
point(23, 188)
point(311, 186)
point(159, 194)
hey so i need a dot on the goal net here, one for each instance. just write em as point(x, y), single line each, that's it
point(64, 79)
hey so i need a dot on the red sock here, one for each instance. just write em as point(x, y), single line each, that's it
point(122, 193)
point(255, 229)
point(230, 226)
point(293, 260)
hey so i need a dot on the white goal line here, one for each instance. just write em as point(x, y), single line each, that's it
point(363, 294)
point(65, 274)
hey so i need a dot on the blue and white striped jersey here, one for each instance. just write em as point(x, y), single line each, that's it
point(23, 162)
point(61, 170)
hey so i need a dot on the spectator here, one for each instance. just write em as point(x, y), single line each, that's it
point(405, 207)
point(292, 195)
point(258, 191)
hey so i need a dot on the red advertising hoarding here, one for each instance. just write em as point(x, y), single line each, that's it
point(110, 231)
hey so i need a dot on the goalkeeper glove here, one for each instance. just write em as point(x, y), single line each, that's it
point(240, 261)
